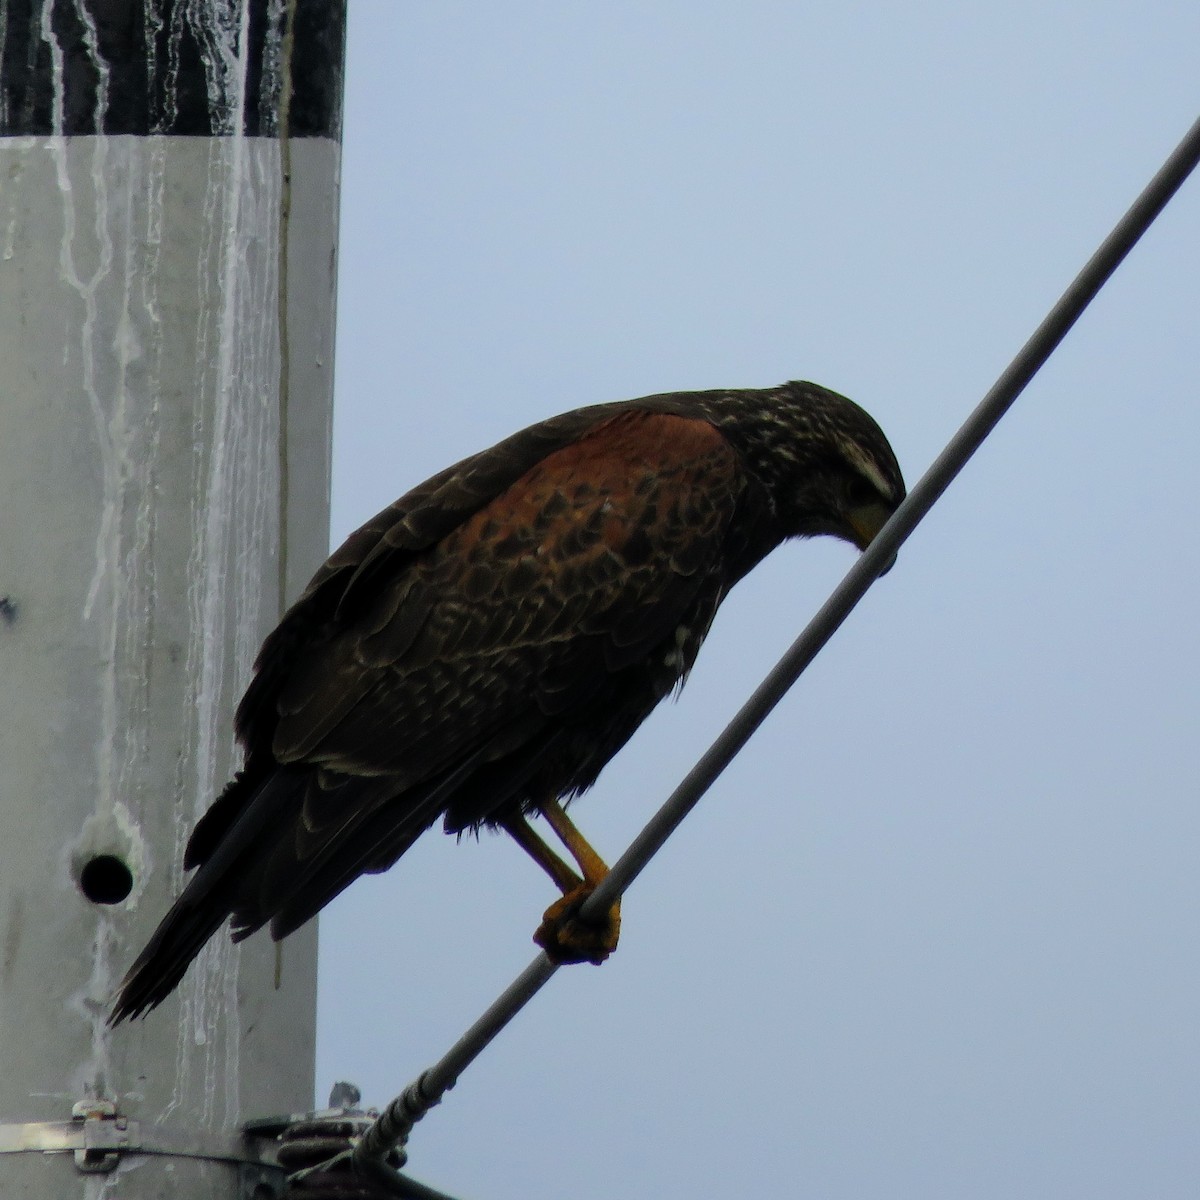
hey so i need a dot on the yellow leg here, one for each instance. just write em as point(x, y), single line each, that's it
point(594, 868)
point(563, 936)
point(521, 833)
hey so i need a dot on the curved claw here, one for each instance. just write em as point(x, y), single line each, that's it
point(568, 939)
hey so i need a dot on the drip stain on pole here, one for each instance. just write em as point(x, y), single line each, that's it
point(141, 452)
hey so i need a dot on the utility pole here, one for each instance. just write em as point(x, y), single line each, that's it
point(168, 219)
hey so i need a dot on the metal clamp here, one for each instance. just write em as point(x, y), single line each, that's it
point(105, 1136)
point(99, 1135)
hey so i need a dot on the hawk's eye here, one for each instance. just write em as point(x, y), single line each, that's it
point(862, 492)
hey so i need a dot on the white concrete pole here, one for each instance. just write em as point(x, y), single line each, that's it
point(168, 217)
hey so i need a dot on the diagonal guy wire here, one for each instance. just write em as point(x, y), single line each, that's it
point(396, 1121)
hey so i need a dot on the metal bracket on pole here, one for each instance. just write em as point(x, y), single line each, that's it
point(316, 1149)
point(98, 1136)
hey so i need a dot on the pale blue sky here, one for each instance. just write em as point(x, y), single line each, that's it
point(934, 934)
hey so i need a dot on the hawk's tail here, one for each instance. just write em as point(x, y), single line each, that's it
point(209, 898)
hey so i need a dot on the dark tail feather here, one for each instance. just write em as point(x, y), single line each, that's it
point(380, 840)
point(377, 841)
point(341, 870)
point(224, 811)
point(207, 900)
point(182, 934)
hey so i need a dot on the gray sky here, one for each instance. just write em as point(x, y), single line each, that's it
point(934, 934)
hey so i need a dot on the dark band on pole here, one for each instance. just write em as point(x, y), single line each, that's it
point(129, 67)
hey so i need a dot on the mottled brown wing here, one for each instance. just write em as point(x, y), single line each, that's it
point(384, 545)
point(481, 646)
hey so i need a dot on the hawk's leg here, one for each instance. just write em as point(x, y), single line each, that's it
point(519, 830)
point(564, 937)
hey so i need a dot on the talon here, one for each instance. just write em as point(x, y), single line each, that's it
point(568, 939)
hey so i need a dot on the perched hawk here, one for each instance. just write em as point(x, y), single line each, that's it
point(479, 650)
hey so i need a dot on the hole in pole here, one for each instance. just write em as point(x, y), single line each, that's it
point(105, 879)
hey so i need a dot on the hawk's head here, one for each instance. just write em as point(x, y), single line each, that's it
point(825, 463)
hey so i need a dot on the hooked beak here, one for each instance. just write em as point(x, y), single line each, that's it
point(866, 522)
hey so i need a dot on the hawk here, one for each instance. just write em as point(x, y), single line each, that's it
point(478, 651)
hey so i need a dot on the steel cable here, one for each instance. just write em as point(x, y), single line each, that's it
point(392, 1127)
